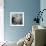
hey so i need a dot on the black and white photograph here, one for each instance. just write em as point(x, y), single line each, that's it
point(17, 18)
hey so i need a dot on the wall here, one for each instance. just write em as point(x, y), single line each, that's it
point(29, 7)
point(43, 6)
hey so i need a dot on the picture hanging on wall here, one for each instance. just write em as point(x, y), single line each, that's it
point(16, 18)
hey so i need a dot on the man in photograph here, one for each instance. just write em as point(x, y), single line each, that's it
point(17, 19)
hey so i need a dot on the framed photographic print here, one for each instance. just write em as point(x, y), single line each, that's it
point(16, 18)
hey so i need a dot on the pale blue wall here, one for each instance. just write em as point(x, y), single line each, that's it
point(29, 7)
